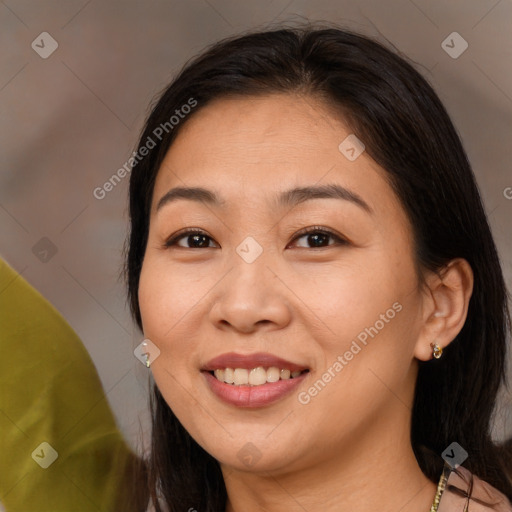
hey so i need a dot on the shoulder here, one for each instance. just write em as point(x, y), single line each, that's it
point(53, 395)
point(466, 492)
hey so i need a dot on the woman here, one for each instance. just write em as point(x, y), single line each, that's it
point(310, 256)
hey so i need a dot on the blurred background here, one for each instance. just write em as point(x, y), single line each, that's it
point(76, 79)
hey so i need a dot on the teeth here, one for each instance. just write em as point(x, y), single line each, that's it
point(257, 376)
point(272, 374)
point(254, 377)
point(241, 377)
point(229, 376)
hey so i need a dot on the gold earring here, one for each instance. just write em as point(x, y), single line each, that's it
point(437, 351)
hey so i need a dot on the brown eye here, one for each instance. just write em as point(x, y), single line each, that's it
point(194, 239)
point(319, 237)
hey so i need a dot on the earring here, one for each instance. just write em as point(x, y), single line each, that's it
point(147, 354)
point(437, 351)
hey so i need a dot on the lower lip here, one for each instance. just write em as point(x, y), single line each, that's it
point(252, 396)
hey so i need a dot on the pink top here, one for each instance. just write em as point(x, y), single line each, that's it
point(466, 492)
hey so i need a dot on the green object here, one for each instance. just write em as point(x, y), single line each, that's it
point(54, 413)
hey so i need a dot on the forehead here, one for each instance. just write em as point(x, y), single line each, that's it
point(250, 148)
point(255, 125)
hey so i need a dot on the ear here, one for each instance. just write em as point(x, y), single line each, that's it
point(445, 306)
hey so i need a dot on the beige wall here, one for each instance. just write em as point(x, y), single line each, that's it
point(69, 121)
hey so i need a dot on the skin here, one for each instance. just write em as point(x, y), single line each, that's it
point(349, 447)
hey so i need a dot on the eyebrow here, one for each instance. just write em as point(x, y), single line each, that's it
point(288, 198)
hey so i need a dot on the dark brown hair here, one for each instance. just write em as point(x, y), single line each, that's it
point(408, 132)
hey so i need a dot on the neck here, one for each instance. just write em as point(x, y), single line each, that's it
point(374, 471)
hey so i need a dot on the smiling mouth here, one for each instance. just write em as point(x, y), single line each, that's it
point(254, 377)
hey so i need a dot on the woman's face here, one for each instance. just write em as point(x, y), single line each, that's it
point(251, 292)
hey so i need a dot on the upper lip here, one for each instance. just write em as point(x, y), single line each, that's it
point(249, 361)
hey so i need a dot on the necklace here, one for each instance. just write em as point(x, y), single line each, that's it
point(440, 488)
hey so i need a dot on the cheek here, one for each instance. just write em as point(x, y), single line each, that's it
point(166, 296)
point(166, 306)
point(156, 290)
point(348, 298)
point(165, 303)
point(368, 311)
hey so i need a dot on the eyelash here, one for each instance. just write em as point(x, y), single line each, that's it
point(303, 232)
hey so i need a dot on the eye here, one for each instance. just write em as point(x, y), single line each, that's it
point(319, 237)
point(194, 239)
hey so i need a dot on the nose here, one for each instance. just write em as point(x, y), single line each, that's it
point(251, 298)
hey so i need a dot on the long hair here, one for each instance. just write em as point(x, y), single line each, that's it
point(408, 132)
